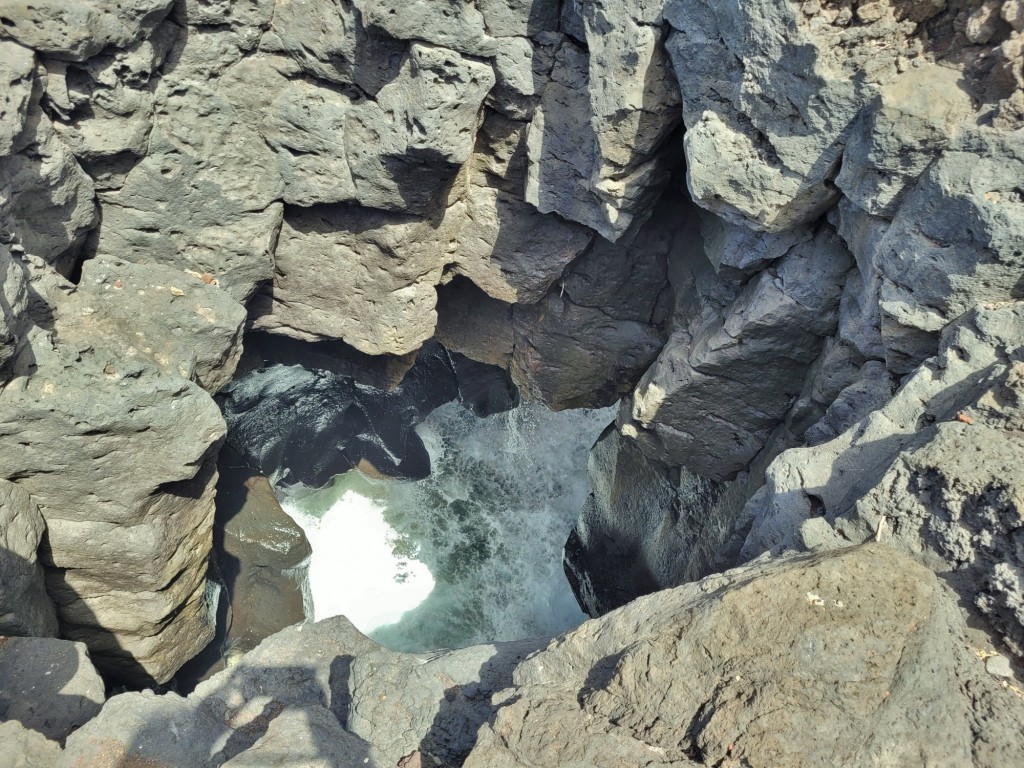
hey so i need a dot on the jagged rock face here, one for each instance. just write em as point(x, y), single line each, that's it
point(938, 462)
point(608, 693)
point(25, 608)
point(101, 391)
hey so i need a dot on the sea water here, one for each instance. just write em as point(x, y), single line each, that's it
point(472, 553)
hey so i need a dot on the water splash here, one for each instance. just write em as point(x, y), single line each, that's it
point(485, 531)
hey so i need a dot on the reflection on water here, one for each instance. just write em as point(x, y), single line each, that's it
point(470, 554)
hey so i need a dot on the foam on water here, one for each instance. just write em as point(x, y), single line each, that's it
point(472, 553)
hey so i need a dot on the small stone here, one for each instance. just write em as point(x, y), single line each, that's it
point(998, 666)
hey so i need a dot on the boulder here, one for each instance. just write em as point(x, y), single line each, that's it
point(570, 356)
point(46, 198)
point(587, 162)
point(372, 285)
point(25, 608)
point(935, 462)
point(955, 242)
point(25, 748)
point(49, 686)
point(17, 73)
point(118, 452)
point(846, 656)
point(76, 32)
point(770, 91)
point(721, 385)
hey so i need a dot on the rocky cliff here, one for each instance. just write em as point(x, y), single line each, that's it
point(787, 237)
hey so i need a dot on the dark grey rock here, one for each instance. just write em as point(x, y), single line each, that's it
point(48, 685)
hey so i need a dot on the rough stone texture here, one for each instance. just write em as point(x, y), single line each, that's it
point(14, 319)
point(639, 528)
point(857, 655)
point(769, 94)
point(25, 748)
point(748, 697)
point(177, 320)
point(25, 608)
point(724, 382)
point(46, 198)
point(912, 119)
point(307, 737)
point(48, 685)
point(82, 29)
point(937, 461)
point(957, 241)
point(372, 284)
point(568, 356)
point(126, 558)
point(17, 74)
point(206, 196)
point(593, 141)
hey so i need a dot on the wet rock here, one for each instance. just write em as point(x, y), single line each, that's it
point(25, 608)
point(49, 686)
point(261, 557)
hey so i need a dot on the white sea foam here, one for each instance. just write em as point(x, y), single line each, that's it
point(472, 553)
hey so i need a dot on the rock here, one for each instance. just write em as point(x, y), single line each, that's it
point(471, 322)
point(395, 153)
point(119, 456)
point(603, 694)
point(309, 737)
point(753, 156)
point(177, 320)
point(998, 666)
point(510, 250)
point(146, 729)
point(49, 686)
point(13, 308)
point(451, 24)
point(328, 42)
point(25, 748)
point(403, 704)
point(25, 608)
point(302, 426)
point(104, 109)
point(206, 197)
point(943, 479)
point(912, 120)
point(17, 73)
point(373, 286)
point(45, 196)
point(609, 178)
point(955, 242)
point(82, 30)
point(567, 356)
point(638, 529)
point(261, 559)
point(719, 388)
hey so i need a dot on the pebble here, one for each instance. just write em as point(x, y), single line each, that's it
point(998, 666)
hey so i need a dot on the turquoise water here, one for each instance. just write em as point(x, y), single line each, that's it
point(472, 553)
